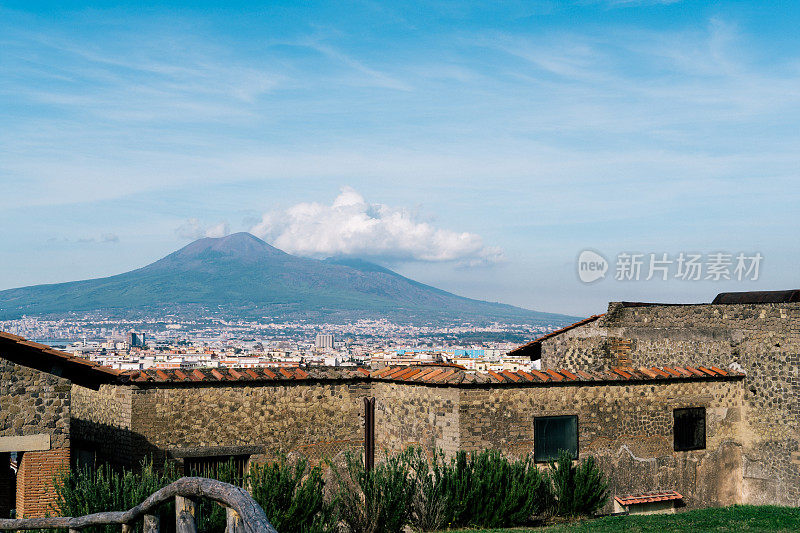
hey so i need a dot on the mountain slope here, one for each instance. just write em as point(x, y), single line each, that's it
point(242, 276)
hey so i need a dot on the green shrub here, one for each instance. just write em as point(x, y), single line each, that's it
point(482, 489)
point(579, 490)
point(292, 496)
point(86, 490)
point(429, 501)
point(212, 517)
point(376, 501)
point(486, 489)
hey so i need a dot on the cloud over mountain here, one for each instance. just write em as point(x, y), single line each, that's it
point(193, 229)
point(351, 226)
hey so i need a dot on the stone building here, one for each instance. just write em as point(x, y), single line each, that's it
point(757, 333)
point(35, 420)
point(699, 400)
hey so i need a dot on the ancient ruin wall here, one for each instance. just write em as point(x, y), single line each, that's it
point(35, 420)
point(101, 425)
point(627, 428)
point(313, 419)
point(410, 414)
point(763, 340)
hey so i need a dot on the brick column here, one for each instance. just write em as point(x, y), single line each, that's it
point(35, 494)
point(7, 488)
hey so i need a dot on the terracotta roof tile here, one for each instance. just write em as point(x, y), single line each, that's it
point(623, 373)
point(496, 376)
point(285, 373)
point(541, 375)
point(428, 376)
point(568, 374)
point(511, 375)
point(555, 375)
point(444, 375)
point(719, 371)
point(526, 375)
point(270, 374)
point(380, 372)
point(660, 373)
point(647, 372)
point(706, 371)
point(585, 375)
point(648, 497)
point(425, 372)
point(300, 373)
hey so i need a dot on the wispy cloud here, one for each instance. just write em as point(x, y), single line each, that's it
point(194, 229)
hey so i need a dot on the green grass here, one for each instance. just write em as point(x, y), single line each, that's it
point(727, 519)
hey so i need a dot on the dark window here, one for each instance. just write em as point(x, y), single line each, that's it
point(690, 428)
point(551, 434)
point(229, 468)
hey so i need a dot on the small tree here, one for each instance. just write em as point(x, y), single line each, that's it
point(578, 490)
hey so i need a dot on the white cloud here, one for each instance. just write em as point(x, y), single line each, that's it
point(193, 229)
point(351, 226)
point(109, 237)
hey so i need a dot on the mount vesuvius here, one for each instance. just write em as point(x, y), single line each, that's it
point(243, 276)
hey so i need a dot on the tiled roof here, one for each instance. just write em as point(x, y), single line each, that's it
point(518, 350)
point(229, 374)
point(44, 358)
point(453, 376)
point(648, 497)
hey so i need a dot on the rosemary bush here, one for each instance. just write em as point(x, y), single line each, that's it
point(292, 496)
point(579, 490)
point(376, 501)
point(86, 490)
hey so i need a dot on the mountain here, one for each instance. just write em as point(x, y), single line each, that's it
point(241, 276)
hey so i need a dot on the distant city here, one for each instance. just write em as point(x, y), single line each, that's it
point(213, 342)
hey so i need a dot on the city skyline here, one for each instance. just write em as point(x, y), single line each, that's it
point(473, 147)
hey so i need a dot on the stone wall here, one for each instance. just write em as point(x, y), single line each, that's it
point(101, 425)
point(761, 339)
point(584, 348)
point(34, 419)
point(314, 419)
point(628, 428)
point(34, 403)
point(412, 414)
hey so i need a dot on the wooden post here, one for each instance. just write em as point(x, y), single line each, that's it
point(127, 528)
point(152, 523)
point(369, 433)
point(74, 531)
point(185, 515)
point(233, 522)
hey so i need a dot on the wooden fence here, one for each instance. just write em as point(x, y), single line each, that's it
point(244, 515)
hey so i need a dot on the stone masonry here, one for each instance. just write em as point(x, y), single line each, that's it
point(34, 420)
point(761, 339)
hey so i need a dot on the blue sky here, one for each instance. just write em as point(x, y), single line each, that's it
point(506, 136)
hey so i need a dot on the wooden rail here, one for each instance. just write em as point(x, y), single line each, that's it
point(244, 514)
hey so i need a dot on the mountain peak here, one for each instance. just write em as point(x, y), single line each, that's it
point(240, 247)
